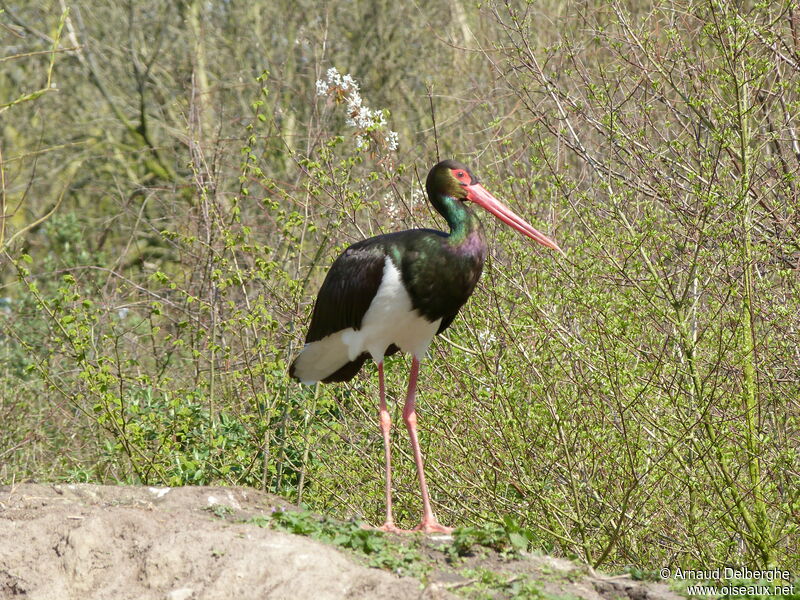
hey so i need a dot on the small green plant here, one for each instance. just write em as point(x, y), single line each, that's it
point(520, 538)
point(370, 543)
point(490, 536)
point(508, 538)
point(488, 584)
point(220, 510)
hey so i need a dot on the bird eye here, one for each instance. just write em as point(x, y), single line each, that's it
point(461, 174)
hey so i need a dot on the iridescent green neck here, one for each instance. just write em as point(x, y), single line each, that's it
point(459, 217)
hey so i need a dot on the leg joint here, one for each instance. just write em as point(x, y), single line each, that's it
point(385, 420)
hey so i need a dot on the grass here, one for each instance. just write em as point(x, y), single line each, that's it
point(485, 559)
point(475, 556)
point(378, 549)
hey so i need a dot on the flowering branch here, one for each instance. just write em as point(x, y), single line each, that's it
point(370, 124)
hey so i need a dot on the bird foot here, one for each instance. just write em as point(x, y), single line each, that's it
point(391, 528)
point(424, 527)
point(432, 526)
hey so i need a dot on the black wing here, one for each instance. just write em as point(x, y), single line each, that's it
point(446, 321)
point(348, 289)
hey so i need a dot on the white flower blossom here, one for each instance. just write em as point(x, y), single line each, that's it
point(349, 84)
point(392, 209)
point(370, 124)
point(378, 118)
point(353, 103)
point(391, 141)
point(334, 78)
point(364, 117)
point(486, 337)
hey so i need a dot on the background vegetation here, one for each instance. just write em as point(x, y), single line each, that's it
point(173, 187)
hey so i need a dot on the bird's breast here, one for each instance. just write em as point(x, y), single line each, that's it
point(440, 280)
point(391, 319)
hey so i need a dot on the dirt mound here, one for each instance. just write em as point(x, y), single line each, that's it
point(90, 541)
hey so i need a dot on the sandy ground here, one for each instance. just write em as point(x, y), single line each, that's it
point(86, 541)
point(59, 542)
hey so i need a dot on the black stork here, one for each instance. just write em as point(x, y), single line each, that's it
point(394, 292)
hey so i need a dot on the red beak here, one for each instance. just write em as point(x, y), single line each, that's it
point(480, 195)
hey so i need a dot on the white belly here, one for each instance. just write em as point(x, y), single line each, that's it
point(390, 319)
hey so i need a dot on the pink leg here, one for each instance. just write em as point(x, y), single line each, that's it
point(386, 425)
point(429, 523)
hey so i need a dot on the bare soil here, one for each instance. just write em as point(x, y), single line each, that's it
point(104, 542)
